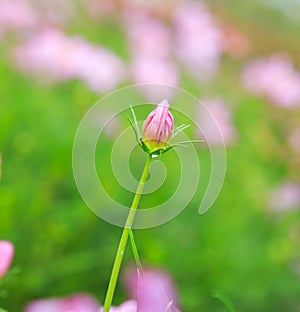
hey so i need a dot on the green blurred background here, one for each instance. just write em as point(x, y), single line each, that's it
point(240, 247)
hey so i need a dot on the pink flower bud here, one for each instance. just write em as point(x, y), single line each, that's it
point(6, 255)
point(158, 127)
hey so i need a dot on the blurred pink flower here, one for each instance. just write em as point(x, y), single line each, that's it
point(285, 197)
point(6, 255)
point(154, 70)
point(55, 56)
point(49, 53)
point(127, 306)
point(147, 36)
point(98, 67)
point(275, 78)
point(16, 15)
point(74, 303)
point(150, 46)
point(153, 290)
point(22, 16)
point(199, 42)
point(222, 117)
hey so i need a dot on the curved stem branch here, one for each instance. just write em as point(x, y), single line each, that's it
point(135, 252)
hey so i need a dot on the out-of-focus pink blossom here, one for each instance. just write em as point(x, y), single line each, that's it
point(151, 52)
point(16, 15)
point(198, 40)
point(49, 53)
point(153, 291)
point(221, 122)
point(74, 303)
point(127, 306)
point(153, 70)
point(98, 67)
point(275, 78)
point(285, 197)
point(6, 255)
point(20, 16)
point(147, 70)
point(55, 56)
point(147, 36)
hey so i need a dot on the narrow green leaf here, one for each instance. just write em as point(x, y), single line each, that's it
point(218, 294)
point(179, 129)
point(135, 251)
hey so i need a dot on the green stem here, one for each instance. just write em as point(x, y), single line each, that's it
point(124, 237)
point(135, 252)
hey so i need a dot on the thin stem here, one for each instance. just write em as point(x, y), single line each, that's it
point(124, 237)
point(135, 252)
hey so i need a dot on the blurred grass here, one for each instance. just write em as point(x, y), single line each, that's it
point(62, 247)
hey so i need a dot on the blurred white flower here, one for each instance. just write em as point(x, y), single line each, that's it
point(284, 197)
point(199, 43)
point(56, 56)
point(274, 78)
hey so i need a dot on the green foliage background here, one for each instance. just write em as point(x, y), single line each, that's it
point(238, 246)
